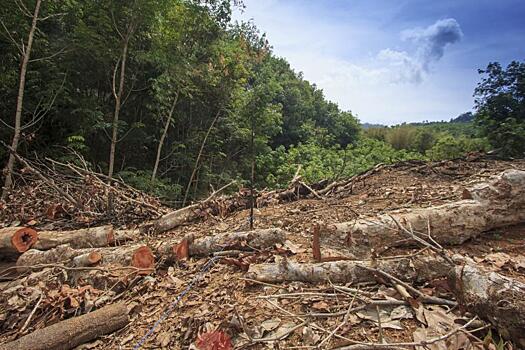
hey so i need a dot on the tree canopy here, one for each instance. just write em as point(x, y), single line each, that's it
point(166, 94)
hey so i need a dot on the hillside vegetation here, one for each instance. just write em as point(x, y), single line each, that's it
point(173, 97)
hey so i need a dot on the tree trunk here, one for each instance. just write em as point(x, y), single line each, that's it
point(8, 171)
point(118, 101)
point(101, 236)
point(496, 204)
point(498, 299)
point(418, 269)
point(136, 256)
point(162, 137)
point(16, 240)
point(62, 254)
point(73, 332)
point(195, 167)
point(184, 215)
point(258, 239)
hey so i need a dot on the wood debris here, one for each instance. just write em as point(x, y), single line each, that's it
point(364, 263)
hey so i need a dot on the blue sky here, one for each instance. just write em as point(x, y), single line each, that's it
point(392, 61)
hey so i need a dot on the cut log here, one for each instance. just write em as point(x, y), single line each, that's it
point(185, 215)
point(496, 204)
point(177, 218)
point(16, 240)
point(101, 236)
point(121, 236)
point(496, 298)
point(138, 256)
point(60, 254)
point(87, 259)
point(417, 269)
point(73, 332)
point(259, 239)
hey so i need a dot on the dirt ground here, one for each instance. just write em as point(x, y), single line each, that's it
point(223, 299)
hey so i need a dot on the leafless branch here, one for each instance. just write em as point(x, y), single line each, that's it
point(61, 51)
point(10, 37)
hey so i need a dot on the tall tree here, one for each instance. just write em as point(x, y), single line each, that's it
point(25, 51)
point(500, 104)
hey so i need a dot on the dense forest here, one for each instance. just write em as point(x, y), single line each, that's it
point(173, 96)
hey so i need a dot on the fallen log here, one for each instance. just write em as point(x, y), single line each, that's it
point(496, 204)
point(101, 236)
point(137, 256)
point(184, 215)
point(247, 240)
point(63, 254)
point(416, 269)
point(73, 332)
point(496, 298)
point(16, 240)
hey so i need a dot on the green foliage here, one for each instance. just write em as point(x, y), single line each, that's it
point(186, 56)
point(141, 180)
point(500, 104)
point(448, 147)
point(401, 137)
point(318, 162)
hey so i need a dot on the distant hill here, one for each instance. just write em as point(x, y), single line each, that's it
point(370, 126)
point(463, 118)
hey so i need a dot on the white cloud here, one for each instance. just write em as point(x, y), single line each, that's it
point(382, 76)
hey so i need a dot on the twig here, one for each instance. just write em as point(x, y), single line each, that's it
point(262, 283)
point(312, 191)
point(380, 328)
point(42, 266)
point(311, 324)
point(294, 295)
point(241, 322)
point(281, 337)
point(345, 320)
point(26, 323)
point(438, 249)
point(421, 295)
point(42, 177)
point(423, 343)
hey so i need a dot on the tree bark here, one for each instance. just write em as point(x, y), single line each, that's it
point(8, 171)
point(418, 269)
point(118, 101)
point(496, 298)
point(136, 256)
point(62, 254)
point(73, 332)
point(184, 215)
point(162, 137)
point(16, 240)
point(258, 239)
point(496, 204)
point(101, 236)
